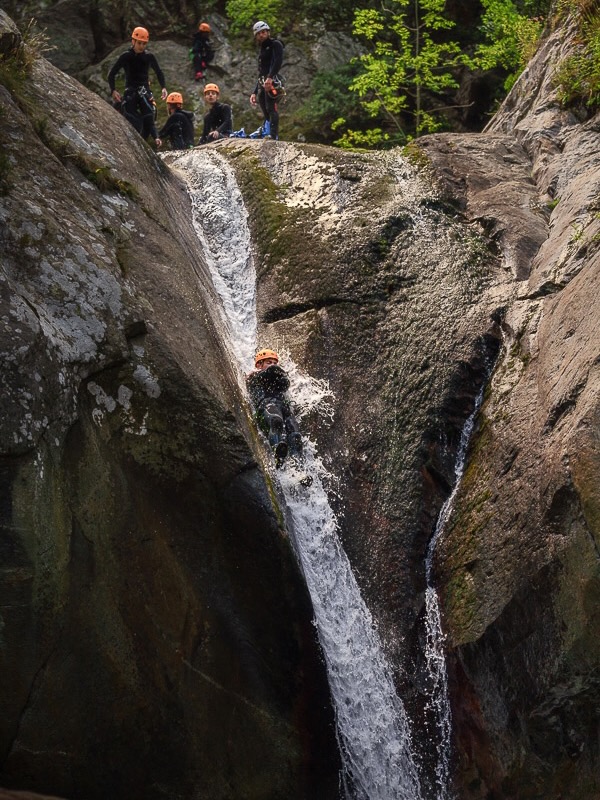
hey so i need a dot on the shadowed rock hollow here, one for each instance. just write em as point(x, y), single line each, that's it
point(146, 574)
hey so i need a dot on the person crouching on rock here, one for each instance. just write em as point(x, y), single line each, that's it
point(218, 123)
point(179, 127)
point(267, 387)
point(137, 104)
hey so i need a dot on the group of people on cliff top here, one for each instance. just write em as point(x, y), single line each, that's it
point(138, 105)
point(268, 383)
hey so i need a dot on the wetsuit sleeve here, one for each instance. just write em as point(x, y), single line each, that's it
point(164, 131)
point(152, 62)
point(227, 125)
point(153, 131)
point(189, 129)
point(254, 388)
point(117, 67)
point(205, 128)
point(276, 58)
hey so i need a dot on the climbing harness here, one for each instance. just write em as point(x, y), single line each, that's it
point(278, 89)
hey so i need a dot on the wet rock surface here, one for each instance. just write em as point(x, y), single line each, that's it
point(519, 565)
point(156, 634)
point(403, 279)
point(405, 282)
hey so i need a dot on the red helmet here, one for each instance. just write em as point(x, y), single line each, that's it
point(262, 354)
point(141, 34)
point(204, 26)
point(175, 97)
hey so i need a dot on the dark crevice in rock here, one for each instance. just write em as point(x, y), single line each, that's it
point(469, 379)
point(382, 294)
point(509, 461)
point(449, 207)
point(563, 511)
point(547, 288)
point(566, 404)
point(289, 311)
point(135, 329)
point(93, 370)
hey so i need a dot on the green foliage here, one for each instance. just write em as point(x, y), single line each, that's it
point(405, 72)
point(510, 37)
point(319, 14)
point(330, 100)
point(244, 13)
point(578, 76)
point(332, 15)
point(358, 140)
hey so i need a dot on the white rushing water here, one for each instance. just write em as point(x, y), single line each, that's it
point(373, 731)
point(438, 704)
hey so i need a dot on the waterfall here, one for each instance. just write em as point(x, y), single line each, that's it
point(372, 728)
point(438, 704)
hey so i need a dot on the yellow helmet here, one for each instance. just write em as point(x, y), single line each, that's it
point(175, 97)
point(141, 34)
point(211, 87)
point(262, 354)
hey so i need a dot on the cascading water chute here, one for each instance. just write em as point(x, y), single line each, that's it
point(438, 704)
point(221, 224)
point(372, 727)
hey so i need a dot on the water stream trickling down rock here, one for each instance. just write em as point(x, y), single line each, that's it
point(372, 727)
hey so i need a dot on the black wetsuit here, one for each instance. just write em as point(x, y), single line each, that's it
point(179, 128)
point(270, 58)
point(218, 119)
point(202, 52)
point(267, 388)
point(137, 104)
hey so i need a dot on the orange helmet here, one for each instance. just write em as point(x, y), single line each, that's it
point(211, 87)
point(262, 354)
point(141, 34)
point(204, 26)
point(175, 97)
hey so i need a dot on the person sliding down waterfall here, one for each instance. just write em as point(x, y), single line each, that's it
point(267, 387)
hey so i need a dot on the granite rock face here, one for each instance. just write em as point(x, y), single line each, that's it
point(410, 282)
point(156, 633)
point(519, 566)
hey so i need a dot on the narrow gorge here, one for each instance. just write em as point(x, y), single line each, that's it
point(180, 620)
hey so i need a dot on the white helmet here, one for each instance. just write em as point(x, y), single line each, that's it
point(260, 26)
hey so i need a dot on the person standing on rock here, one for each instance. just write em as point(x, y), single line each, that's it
point(218, 122)
point(137, 103)
point(179, 128)
point(201, 51)
point(269, 87)
point(267, 387)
